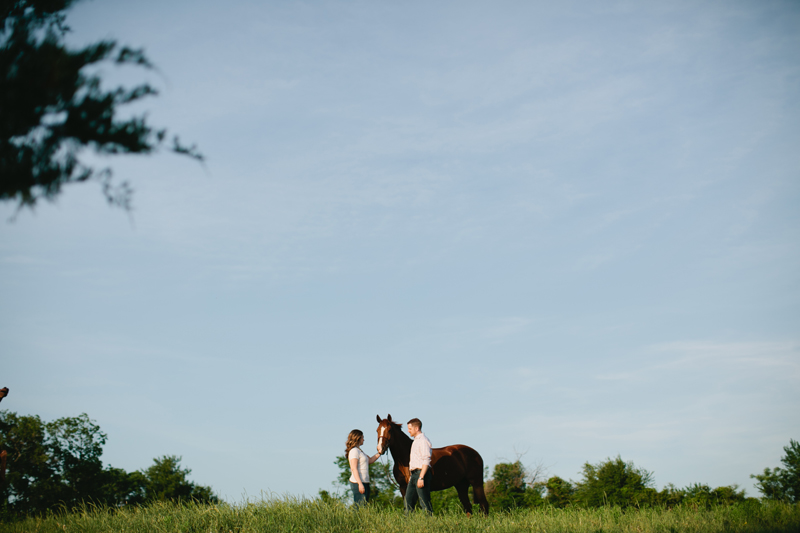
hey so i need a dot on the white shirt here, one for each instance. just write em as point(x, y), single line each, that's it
point(363, 465)
point(420, 452)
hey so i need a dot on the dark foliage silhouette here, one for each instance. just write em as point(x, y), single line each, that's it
point(53, 108)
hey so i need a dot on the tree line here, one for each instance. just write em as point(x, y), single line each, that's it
point(52, 465)
point(57, 464)
point(613, 482)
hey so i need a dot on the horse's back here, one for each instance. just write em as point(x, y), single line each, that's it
point(461, 450)
point(455, 464)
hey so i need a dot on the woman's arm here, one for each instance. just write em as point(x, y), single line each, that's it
point(374, 458)
point(356, 475)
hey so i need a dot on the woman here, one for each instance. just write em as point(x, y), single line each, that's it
point(359, 466)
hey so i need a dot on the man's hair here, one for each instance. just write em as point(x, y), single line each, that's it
point(416, 422)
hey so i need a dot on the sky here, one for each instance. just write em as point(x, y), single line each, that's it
point(553, 231)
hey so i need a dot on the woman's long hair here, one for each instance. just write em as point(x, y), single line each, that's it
point(352, 442)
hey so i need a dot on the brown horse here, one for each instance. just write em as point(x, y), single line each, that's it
point(456, 466)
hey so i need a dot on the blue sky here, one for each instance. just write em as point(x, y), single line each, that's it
point(563, 230)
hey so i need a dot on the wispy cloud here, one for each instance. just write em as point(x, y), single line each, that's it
point(782, 357)
point(25, 260)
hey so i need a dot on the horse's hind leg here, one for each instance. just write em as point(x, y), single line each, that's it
point(480, 497)
point(463, 496)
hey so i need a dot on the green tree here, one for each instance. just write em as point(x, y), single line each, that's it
point(669, 496)
point(75, 446)
point(53, 463)
point(166, 480)
point(509, 487)
point(702, 495)
point(613, 482)
point(53, 107)
point(123, 488)
point(328, 498)
point(28, 478)
point(560, 493)
point(782, 483)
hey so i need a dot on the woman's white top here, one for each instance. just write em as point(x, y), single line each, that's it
point(363, 465)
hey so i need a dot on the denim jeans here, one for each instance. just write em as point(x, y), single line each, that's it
point(414, 493)
point(358, 498)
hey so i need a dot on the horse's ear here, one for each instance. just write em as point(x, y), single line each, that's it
point(389, 418)
point(378, 418)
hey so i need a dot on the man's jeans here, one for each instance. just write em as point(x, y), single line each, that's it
point(358, 498)
point(414, 493)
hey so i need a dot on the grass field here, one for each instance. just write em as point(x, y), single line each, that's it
point(302, 515)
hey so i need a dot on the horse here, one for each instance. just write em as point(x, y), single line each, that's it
point(456, 466)
point(3, 393)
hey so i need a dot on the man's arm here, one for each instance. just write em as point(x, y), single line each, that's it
point(426, 454)
point(420, 481)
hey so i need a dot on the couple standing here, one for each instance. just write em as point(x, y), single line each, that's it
point(419, 465)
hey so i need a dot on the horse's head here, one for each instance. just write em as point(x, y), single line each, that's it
point(385, 427)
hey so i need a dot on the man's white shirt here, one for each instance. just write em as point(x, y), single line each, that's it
point(420, 452)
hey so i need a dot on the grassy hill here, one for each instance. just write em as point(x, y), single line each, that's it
point(297, 515)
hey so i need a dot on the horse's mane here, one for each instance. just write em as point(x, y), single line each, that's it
point(394, 426)
point(396, 429)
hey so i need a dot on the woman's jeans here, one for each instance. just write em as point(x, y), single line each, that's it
point(358, 498)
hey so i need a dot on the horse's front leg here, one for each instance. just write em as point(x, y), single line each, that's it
point(402, 484)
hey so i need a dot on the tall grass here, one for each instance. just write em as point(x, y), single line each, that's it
point(296, 515)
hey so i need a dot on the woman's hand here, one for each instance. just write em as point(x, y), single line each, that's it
point(361, 488)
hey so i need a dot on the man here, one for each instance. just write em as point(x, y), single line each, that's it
point(419, 484)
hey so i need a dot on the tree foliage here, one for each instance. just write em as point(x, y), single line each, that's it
point(166, 480)
point(512, 487)
point(560, 493)
point(702, 495)
point(53, 107)
point(53, 464)
point(782, 483)
point(612, 482)
point(50, 463)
